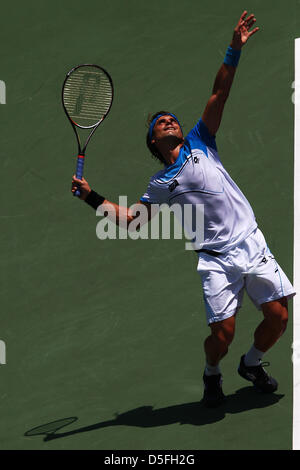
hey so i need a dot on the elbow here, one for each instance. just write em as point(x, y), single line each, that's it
point(129, 224)
point(135, 223)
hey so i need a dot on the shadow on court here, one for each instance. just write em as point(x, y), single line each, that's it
point(195, 413)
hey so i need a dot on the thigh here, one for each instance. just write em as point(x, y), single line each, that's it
point(222, 288)
point(267, 282)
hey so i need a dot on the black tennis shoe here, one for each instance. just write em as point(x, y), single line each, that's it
point(258, 376)
point(213, 394)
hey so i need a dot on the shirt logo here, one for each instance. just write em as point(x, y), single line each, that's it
point(173, 185)
point(196, 159)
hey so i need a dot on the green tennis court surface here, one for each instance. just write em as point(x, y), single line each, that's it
point(111, 332)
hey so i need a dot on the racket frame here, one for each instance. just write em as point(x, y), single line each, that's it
point(82, 150)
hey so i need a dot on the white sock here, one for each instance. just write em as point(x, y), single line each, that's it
point(212, 370)
point(253, 357)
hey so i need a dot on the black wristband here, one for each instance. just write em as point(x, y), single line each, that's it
point(94, 199)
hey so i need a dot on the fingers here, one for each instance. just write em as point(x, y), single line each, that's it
point(77, 180)
point(249, 24)
point(80, 185)
point(74, 188)
point(249, 21)
point(76, 184)
point(242, 31)
point(253, 31)
point(243, 16)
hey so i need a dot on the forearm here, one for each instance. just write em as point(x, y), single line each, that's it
point(120, 215)
point(223, 81)
point(139, 212)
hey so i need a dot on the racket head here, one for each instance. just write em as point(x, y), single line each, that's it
point(87, 95)
point(51, 428)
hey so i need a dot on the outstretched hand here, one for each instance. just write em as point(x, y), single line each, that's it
point(242, 30)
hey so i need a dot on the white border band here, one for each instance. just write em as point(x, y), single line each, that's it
point(296, 319)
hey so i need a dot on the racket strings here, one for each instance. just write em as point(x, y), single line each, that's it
point(87, 95)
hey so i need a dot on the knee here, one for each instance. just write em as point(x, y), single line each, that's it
point(223, 334)
point(227, 336)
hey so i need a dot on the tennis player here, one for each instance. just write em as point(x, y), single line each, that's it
point(234, 256)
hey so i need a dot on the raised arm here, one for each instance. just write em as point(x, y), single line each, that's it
point(213, 112)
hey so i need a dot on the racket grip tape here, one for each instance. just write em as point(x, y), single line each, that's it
point(79, 171)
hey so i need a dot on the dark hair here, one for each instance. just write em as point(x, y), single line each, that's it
point(152, 147)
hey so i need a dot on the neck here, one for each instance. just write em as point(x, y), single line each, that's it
point(170, 150)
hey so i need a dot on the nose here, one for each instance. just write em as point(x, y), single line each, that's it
point(170, 121)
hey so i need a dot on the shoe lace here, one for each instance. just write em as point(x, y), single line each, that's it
point(265, 364)
point(262, 374)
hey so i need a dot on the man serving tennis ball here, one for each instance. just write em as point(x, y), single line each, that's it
point(234, 255)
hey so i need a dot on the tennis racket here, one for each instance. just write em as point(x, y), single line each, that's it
point(87, 96)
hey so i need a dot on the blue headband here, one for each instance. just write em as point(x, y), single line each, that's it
point(151, 127)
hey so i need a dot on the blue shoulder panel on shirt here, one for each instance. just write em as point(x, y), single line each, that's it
point(143, 199)
point(171, 170)
point(200, 131)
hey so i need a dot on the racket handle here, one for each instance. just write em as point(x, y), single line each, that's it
point(79, 171)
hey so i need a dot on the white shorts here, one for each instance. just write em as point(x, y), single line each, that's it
point(250, 266)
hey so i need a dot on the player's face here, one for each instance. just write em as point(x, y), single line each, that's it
point(166, 126)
